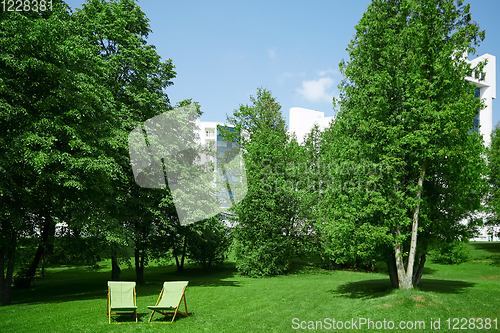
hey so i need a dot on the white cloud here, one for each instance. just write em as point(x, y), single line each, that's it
point(316, 90)
point(328, 71)
point(272, 53)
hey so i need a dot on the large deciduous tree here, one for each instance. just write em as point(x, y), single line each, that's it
point(72, 86)
point(56, 124)
point(137, 77)
point(409, 166)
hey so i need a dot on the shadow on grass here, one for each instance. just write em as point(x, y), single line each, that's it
point(158, 318)
point(364, 289)
point(491, 247)
point(306, 265)
point(444, 286)
point(367, 289)
point(82, 283)
point(127, 319)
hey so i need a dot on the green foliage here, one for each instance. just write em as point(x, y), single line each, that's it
point(209, 242)
point(56, 123)
point(405, 112)
point(137, 76)
point(72, 86)
point(451, 253)
point(269, 227)
point(493, 157)
point(77, 250)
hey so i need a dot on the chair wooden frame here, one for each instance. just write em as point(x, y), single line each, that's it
point(174, 311)
point(108, 307)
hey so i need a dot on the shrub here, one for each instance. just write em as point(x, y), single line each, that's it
point(451, 253)
point(209, 242)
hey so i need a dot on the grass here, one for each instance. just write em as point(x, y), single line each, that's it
point(73, 299)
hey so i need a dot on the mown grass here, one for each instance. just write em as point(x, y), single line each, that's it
point(73, 299)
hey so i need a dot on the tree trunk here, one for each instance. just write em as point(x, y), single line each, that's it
point(398, 256)
point(46, 246)
point(391, 267)
point(7, 260)
point(174, 251)
point(115, 269)
point(183, 253)
point(419, 271)
point(30, 274)
point(406, 277)
point(139, 266)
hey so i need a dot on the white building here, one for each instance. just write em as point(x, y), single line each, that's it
point(302, 121)
point(487, 91)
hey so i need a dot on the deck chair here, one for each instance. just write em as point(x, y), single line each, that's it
point(170, 298)
point(122, 299)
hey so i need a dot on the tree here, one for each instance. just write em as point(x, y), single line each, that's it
point(405, 113)
point(55, 120)
point(267, 217)
point(493, 157)
point(72, 87)
point(137, 77)
point(208, 242)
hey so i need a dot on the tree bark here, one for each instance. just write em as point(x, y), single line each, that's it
point(419, 271)
point(139, 266)
point(406, 276)
point(184, 252)
point(391, 267)
point(7, 260)
point(46, 247)
point(115, 269)
point(414, 231)
point(398, 256)
point(174, 251)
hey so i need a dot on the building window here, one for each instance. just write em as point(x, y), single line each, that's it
point(210, 132)
point(475, 121)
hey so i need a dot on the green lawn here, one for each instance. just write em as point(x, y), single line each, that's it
point(74, 298)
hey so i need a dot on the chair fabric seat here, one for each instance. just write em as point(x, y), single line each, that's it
point(121, 299)
point(123, 308)
point(170, 298)
point(152, 307)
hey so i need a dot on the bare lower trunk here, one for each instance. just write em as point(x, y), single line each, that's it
point(406, 277)
point(400, 267)
point(391, 267)
point(7, 260)
point(184, 252)
point(46, 247)
point(180, 263)
point(419, 271)
point(115, 269)
point(139, 266)
point(177, 263)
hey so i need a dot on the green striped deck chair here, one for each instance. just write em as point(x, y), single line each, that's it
point(122, 299)
point(170, 299)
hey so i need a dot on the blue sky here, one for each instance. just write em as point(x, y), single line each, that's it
point(224, 50)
